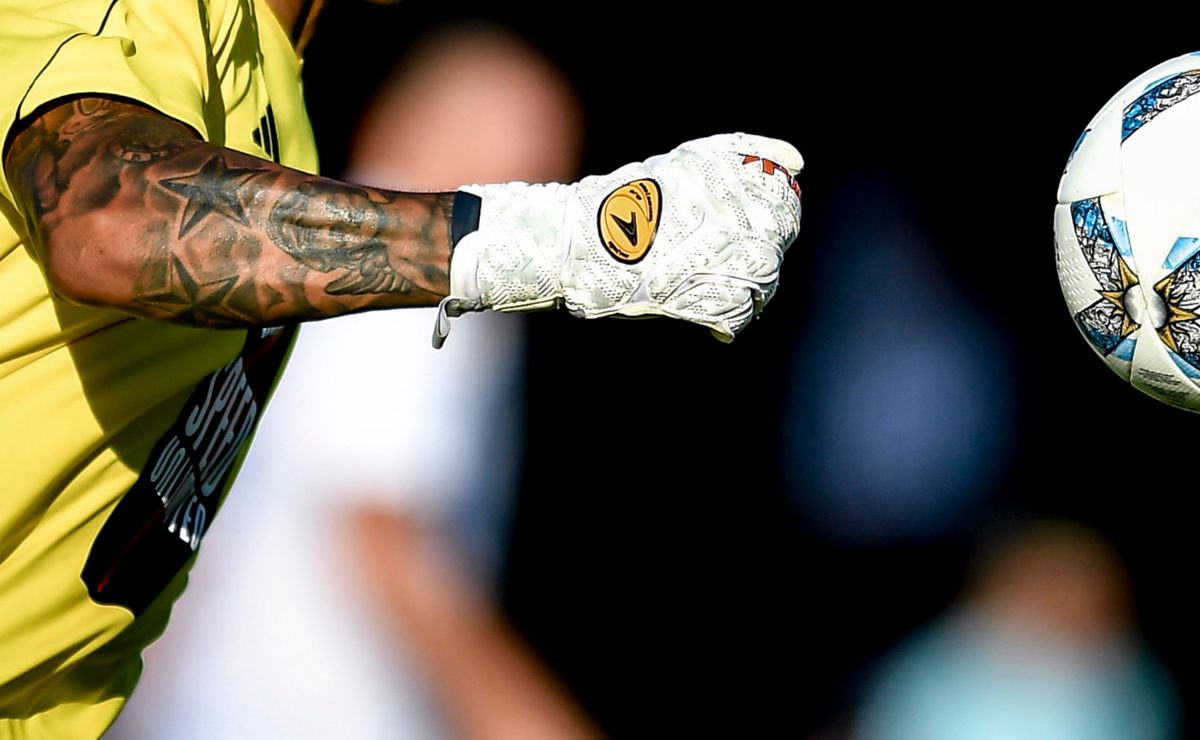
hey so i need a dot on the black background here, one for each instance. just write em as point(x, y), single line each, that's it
point(656, 562)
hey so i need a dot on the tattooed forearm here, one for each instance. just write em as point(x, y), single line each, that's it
point(340, 228)
point(130, 210)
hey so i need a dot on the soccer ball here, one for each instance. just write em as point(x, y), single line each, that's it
point(1127, 232)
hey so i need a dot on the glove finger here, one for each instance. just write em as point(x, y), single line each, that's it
point(720, 301)
point(775, 150)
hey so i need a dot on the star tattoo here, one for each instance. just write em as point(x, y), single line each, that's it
point(214, 188)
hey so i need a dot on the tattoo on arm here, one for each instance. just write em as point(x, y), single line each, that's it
point(131, 210)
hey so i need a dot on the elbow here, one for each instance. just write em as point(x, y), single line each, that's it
point(92, 262)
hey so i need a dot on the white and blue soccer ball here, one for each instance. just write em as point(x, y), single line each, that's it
point(1127, 232)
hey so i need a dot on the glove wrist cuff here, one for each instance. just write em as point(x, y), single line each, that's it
point(513, 261)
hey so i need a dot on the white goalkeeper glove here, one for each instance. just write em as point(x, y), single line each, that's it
point(696, 234)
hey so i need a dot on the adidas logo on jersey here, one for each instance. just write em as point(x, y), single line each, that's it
point(266, 135)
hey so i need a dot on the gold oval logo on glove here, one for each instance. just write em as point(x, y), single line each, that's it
point(629, 220)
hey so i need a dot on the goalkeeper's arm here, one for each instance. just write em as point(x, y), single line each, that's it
point(130, 210)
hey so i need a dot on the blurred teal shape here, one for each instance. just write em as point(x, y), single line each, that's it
point(1042, 645)
point(973, 677)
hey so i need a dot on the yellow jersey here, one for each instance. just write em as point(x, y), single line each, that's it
point(119, 436)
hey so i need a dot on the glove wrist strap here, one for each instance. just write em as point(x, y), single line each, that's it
point(465, 218)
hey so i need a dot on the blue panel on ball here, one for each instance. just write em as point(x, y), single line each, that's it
point(1185, 247)
point(1097, 242)
point(1158, 98)
point(1101, 323)
point(1125, 349)
point(1183, 365)
point(1120, 234)
point(1104, 323)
